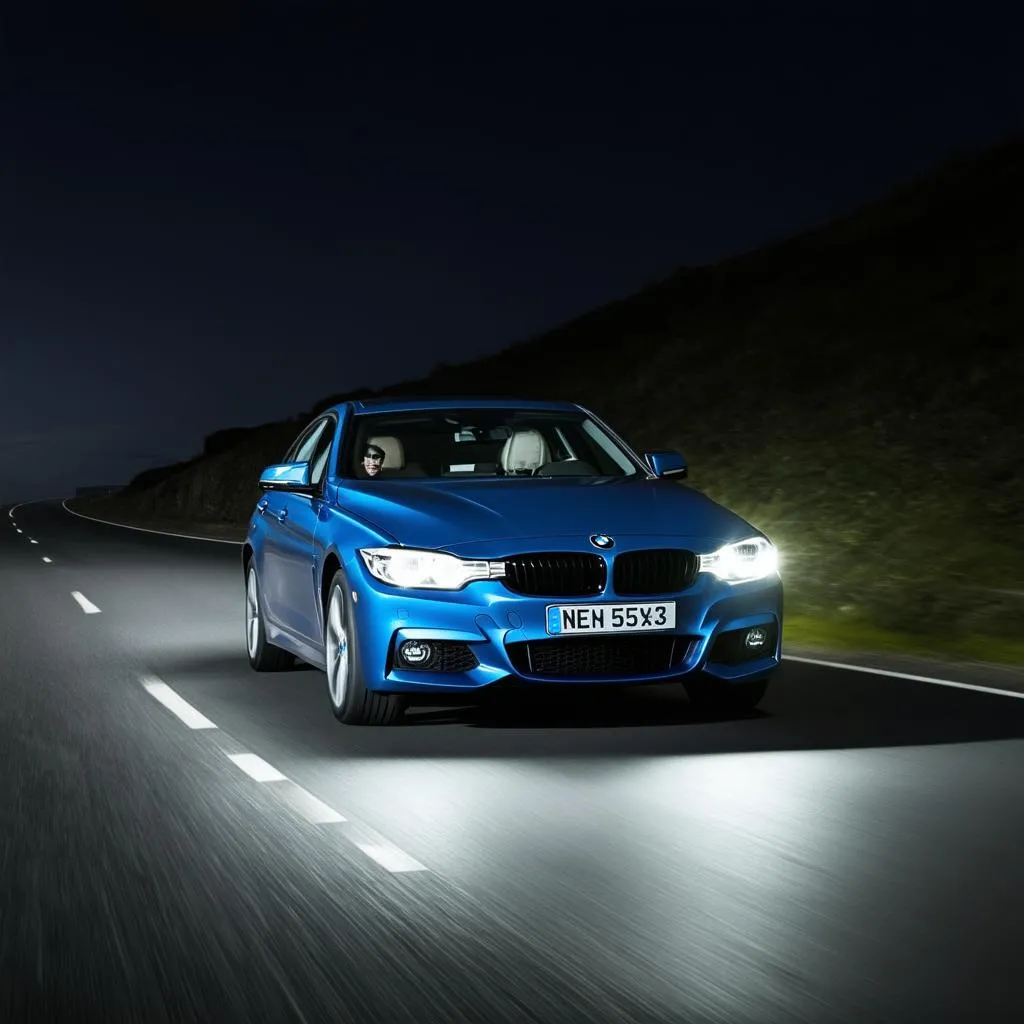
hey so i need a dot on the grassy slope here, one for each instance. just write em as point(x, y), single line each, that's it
point(854, 391)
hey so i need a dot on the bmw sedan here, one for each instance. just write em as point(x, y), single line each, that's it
point(410, 547)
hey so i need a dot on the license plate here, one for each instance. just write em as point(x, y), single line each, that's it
point(610, 618)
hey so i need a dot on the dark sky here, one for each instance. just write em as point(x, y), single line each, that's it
point(212, 218)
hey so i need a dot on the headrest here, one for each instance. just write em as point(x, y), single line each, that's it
point(394, 453)
point(525, 449)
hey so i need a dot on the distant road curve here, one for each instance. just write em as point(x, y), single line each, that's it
point(205, 536)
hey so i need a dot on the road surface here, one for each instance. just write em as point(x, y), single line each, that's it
point(183, 839)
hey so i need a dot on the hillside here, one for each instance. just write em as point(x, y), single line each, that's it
point(854, 391)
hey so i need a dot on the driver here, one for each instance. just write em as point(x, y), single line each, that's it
point(373, 460)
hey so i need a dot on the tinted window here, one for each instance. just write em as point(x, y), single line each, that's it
point(321, 453)
point(302, 450)
point(292, 454)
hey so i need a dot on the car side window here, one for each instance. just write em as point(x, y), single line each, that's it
point(321, 454)
point(292, 455)
point(307, 445)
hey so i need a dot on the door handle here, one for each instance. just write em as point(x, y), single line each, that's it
point(261, 506)
point(281, 514)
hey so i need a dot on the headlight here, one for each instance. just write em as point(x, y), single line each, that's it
point(428, 570)
point(743, 561)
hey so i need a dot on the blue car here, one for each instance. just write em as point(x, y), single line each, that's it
point(411, 547)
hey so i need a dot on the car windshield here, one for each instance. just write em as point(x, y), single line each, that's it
point(488, 443)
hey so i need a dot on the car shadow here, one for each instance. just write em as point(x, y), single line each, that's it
point(807, 708)
point(578, 708)
point(215, 659)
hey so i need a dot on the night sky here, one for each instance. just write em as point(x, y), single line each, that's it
point(214, 219)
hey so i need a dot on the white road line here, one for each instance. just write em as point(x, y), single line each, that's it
point(176, 703)
point(34, 501)
point(257, 768)
point(87, 606)
point(306, 804)
point(19, 531)
point(31, 541)
point(389, 856)
point(314, 810)
point(906, 675)
point(47, 560)
point(143, 529)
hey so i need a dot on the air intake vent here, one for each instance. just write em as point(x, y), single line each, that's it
point(598, 657)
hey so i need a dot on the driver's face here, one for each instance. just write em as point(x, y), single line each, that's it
point(372, 461)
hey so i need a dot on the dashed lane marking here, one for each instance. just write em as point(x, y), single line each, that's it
point(84, 603)
point(314, 810)
point(176, 704)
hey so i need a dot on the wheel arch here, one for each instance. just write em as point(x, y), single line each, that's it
point(332, 563)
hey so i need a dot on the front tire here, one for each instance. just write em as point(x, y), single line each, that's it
point(351, 701)
point(715, 696)
point(263, 655)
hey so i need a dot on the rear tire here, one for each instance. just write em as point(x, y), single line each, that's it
point(720, 697)
point(351, 701)
point(263, 655)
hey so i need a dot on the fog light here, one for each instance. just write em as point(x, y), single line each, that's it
point(415, 652)
point(755, 638)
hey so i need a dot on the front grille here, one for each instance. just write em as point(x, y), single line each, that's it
point(445, 656)
point(592, 657)
point(556, 574)
point(656, 571)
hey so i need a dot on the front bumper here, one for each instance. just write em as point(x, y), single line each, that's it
point(485, 635)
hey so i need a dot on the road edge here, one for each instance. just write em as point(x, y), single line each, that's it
point(144, 529)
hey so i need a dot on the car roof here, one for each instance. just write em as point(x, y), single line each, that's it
point(362, 406)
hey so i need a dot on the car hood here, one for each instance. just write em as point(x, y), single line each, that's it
point(446, 514)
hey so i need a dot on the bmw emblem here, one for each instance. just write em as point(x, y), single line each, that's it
point(601, 540)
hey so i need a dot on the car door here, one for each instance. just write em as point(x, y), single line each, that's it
point(289, 518)
point(295, 524)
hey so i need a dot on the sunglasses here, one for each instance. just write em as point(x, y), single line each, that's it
point(374, 457)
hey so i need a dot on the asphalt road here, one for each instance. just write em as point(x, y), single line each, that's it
point(851, 853)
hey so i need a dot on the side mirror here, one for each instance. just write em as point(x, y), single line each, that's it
point(286, 476)
point(666, 463)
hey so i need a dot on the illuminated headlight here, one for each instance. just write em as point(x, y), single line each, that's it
point(746, 560)
point(427, 570)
